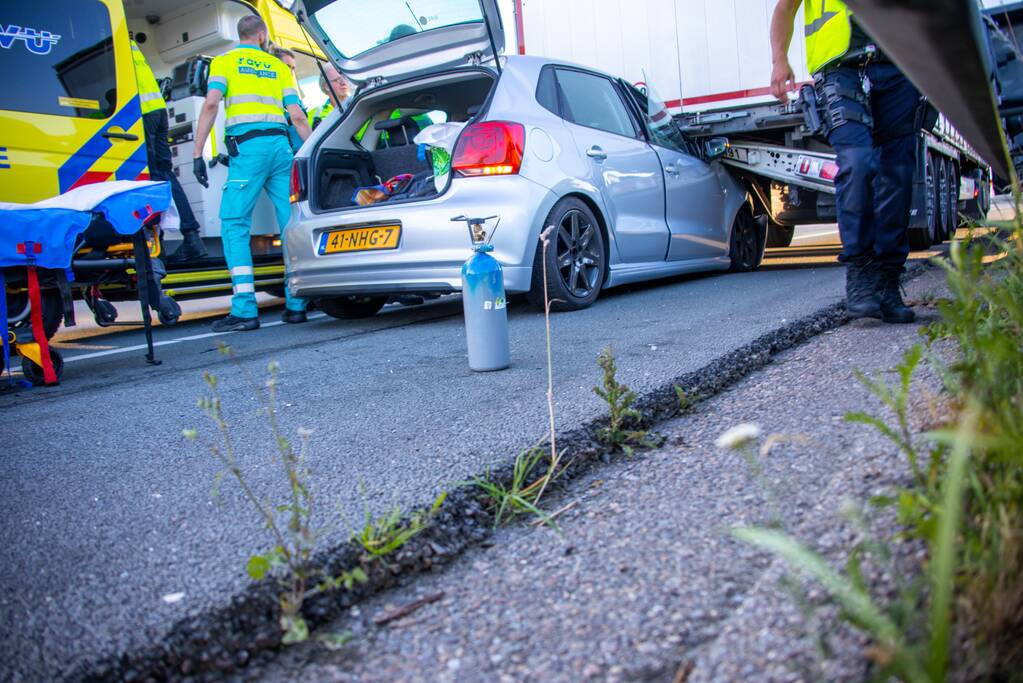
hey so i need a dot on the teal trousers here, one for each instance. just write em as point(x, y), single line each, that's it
point(262, 164)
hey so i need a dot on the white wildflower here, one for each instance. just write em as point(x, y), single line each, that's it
point(738, 436)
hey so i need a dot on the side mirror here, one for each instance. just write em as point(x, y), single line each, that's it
point(715, 148)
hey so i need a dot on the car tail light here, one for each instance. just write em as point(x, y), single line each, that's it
point(298, 184)
point(489, 148)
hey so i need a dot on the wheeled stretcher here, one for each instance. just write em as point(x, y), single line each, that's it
point(38, 242)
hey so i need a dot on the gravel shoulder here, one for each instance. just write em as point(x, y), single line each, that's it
point(646, 580)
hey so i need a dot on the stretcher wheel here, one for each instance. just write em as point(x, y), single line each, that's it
point(34, 373)
point(169, 311)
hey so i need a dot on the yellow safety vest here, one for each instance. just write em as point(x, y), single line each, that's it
point(322, 112)
point(255, 85)
point(149, 90)
point(828, 32)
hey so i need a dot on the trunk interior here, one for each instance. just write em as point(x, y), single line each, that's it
point(375, 140)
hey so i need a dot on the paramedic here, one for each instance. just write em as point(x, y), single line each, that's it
point(288, 57)
point(158, 156)
point(257, 89)
point(334, 86)
point(871, 118)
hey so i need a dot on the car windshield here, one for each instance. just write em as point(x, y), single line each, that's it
point(356, 26)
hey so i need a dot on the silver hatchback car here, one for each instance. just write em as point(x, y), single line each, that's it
point(541, 143)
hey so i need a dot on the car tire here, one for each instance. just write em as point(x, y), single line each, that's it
point(351, 307)
point(576, 258)
point(743, 244)
point(779, 235)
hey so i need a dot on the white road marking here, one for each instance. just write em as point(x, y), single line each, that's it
point(168, 342)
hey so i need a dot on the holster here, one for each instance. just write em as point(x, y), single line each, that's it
point(826, 106)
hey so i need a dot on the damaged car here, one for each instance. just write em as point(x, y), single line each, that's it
point(444, 126)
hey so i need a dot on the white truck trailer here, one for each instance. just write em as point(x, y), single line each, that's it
point(709, 61)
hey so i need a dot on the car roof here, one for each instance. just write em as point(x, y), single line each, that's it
point(535, 63)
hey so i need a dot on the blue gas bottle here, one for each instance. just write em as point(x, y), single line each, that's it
point(485, 304)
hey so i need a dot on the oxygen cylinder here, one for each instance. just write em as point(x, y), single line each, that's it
point(486, 311)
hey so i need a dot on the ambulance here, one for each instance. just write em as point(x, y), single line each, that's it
point(70, 115)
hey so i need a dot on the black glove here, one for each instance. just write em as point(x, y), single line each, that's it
point(199, 169)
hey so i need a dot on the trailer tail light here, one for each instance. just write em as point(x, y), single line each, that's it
point(809, 167)
point(489, 148)
point(298, 180)
point(829, 171)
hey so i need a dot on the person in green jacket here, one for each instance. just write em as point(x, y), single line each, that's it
point(337, 89)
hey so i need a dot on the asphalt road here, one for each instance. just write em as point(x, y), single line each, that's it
point(108, 512)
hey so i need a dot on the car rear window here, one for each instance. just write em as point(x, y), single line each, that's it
point(57, 57)
point(356, 26)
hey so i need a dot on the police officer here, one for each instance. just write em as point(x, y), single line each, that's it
point(335, 87)
point(871, 116)
point(257, 89)
point(158, 156)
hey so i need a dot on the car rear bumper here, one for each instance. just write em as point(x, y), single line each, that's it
point(431, 249)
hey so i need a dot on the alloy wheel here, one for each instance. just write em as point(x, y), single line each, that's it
point(578, 257)
point(745, 243)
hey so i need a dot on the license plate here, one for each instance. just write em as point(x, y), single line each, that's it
point(373, 238)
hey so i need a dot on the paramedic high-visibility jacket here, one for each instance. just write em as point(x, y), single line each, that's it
point(149, 91)
point(256, 87)
point(320, 113)
point(828, 32)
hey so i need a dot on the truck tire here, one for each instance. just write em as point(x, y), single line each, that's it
point(351, 307)
point(984, 200)
point(779, 235)
point(952, 200)
point(941, 170)
point(922, 238)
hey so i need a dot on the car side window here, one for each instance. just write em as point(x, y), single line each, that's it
point(593, 101)
point(657, 119)
point(547, 91)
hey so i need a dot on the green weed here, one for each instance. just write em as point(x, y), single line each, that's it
point(966, 498)
point(621, 415)
point(289, 522)
point(521, 495)
point(382, 536)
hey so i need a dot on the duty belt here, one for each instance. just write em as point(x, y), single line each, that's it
point(233, 141)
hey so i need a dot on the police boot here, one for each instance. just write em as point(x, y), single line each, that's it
point(191, 249)
point(889, 289)
point(861, 291)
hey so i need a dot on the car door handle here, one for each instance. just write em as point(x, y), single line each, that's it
point(597, 153)
point(120, 136)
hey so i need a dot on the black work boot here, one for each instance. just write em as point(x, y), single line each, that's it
point(233, 323)
point(889, 289)
point(293, 317)
point(861, 291)
point(191, 249)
